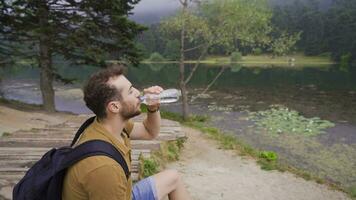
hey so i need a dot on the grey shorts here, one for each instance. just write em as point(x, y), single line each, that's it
point(145, 190)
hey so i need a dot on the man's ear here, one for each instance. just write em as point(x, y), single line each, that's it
point(114, 107)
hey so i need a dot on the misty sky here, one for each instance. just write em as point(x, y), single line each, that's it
point(154, 6)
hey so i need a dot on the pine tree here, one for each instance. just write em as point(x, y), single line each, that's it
point(82, 31)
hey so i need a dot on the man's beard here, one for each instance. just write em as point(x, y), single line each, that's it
point(129, 111)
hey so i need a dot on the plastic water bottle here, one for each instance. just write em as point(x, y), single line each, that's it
point(166, 96)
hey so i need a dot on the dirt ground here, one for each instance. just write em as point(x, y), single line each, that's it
point(13, 119)
point(214, 174)
point(208, 172)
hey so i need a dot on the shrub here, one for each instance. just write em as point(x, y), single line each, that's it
point(268, 155)
point(156, 57)
point(235, 56)
point(257, 51)
point(150, 167)
point(345, 60)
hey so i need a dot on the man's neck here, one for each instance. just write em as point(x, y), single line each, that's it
point(113, 125)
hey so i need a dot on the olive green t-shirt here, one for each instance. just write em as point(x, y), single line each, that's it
point(100, 177)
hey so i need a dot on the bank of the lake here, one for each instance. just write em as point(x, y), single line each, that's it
point(265, 60)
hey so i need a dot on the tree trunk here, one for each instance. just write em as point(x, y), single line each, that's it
point(45, 64)
point(182, 84)
point(46, 77)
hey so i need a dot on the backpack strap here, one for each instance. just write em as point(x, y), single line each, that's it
point(95, 148)
point(126, 133)
point(81, 129)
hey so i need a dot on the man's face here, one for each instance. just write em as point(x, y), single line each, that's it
point(130, 103)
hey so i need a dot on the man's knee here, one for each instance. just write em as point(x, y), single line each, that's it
point(173, 175)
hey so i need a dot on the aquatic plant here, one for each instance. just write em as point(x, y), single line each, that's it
point(280, 120)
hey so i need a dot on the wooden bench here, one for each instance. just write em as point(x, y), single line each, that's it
point(21, 149)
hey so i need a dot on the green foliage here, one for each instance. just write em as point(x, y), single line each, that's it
point(352, 191)
point(284, 43)
point(345, 61)
point(268, 155)
point(324, 29)
point(168, 152)
point(150, 167)
point(268, 160)
point(5, 134)
point(247, 22)
point(172, 50)
point(172, 152)
point(281, 120)
point(235, 57)
point(142, 49)
point(156, 57)
point(257, 51)
point(82, 31)
point(180, 142)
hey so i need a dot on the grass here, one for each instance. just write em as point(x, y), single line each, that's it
point(352, 191)
point(169, 151)
point(268, 160)
point(268, 59)
point(263, 60)
point(5, 134)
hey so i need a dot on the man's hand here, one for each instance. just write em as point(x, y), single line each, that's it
point(153, 104)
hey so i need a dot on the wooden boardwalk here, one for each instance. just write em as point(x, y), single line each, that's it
point(21, 149)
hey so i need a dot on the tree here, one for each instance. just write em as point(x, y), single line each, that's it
point(172, 50)
point(225, 23)
point(81, 31)
point(341, 29)
point(194, 30)
point(284, 43)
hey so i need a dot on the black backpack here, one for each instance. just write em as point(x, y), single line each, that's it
point(44, 180)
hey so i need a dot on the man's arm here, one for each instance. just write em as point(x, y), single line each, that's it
point(150, 127)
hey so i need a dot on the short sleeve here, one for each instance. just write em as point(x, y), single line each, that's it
point(106, 182)
point(129, 126)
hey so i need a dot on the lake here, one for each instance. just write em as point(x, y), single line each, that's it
point(322, 91)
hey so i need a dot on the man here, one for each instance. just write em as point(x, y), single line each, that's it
point(114, 101)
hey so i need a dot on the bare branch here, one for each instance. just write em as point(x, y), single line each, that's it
point(196, 64)
point(196, 47)
point(211, 84)
point(216, 78)
point(181, 1)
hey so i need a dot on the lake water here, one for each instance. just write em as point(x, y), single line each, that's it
point(313, 91)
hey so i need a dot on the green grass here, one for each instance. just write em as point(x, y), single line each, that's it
point(150, 167)
point(5, 134)
point(263, 60)
point(169, 151)
point(352, 191)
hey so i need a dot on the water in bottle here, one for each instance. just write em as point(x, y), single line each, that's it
point(166, 96)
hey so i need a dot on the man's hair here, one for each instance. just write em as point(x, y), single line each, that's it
point(98, 92)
